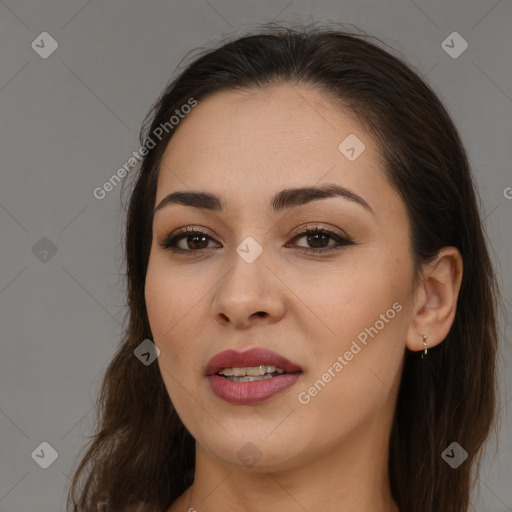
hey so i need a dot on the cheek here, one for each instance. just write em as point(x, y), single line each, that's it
point(366, 313)
point(350, 302)
point(175, 309)
point(165, 306)
point(159, 300)
point(356, 377)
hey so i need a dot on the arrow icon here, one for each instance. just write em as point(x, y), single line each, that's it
point(146, 354)
point(450, 455)
point(45, 253)
point(246, 248)
point(452, 45)
point(351, 149)
point(40, 456)
point(40, 45)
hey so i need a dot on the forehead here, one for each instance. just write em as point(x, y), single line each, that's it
point(259, 141)
point(287, 119)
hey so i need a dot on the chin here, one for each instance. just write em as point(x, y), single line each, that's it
point(257, 449)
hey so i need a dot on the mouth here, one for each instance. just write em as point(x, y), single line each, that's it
point(252, 376)
point(254, 362)
point(251, 373)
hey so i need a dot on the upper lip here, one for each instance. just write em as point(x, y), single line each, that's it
point(250, 357)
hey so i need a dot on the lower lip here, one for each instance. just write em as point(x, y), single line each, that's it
point(244, 393)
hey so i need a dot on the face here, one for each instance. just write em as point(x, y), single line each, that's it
point(332, 305)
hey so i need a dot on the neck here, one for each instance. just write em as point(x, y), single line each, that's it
point(352, 476)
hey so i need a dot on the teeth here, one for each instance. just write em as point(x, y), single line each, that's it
point(250, 371)
point(255, 371)
point(250, 379)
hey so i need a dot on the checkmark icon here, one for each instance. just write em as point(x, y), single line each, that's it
point(351, 147)
point(44, 45)
point(454, 45)
point(454, 455)
point(249, 249)
point(44, 250)
point(146, 352)
point(44, 455)
point(249, 455)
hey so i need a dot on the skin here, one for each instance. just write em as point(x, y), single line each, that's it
point(331, 453)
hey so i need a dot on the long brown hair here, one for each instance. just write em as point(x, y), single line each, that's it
point(142, 453)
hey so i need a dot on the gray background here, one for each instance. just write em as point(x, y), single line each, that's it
point(71, 120)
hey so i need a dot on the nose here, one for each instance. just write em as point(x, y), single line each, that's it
point(249, 294)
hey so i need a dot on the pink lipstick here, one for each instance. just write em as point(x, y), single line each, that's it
point(250, 377)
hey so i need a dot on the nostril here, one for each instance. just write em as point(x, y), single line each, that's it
point(224, 317)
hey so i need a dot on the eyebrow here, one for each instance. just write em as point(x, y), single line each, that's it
point(283, 200)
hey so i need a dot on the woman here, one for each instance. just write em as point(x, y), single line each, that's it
point(305, 251)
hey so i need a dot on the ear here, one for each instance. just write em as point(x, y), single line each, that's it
point(435, 300)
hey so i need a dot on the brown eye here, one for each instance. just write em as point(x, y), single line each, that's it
point(318, 240)
point(194, 241)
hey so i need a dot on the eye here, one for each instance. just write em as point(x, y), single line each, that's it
point(196, 240)
point(318, 239)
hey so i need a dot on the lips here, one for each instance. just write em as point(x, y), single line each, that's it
point(254, 391)
point(251, 357)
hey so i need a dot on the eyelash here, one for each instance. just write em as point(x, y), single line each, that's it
point(170, 242)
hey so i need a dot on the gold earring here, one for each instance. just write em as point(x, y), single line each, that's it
point(425, 345)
